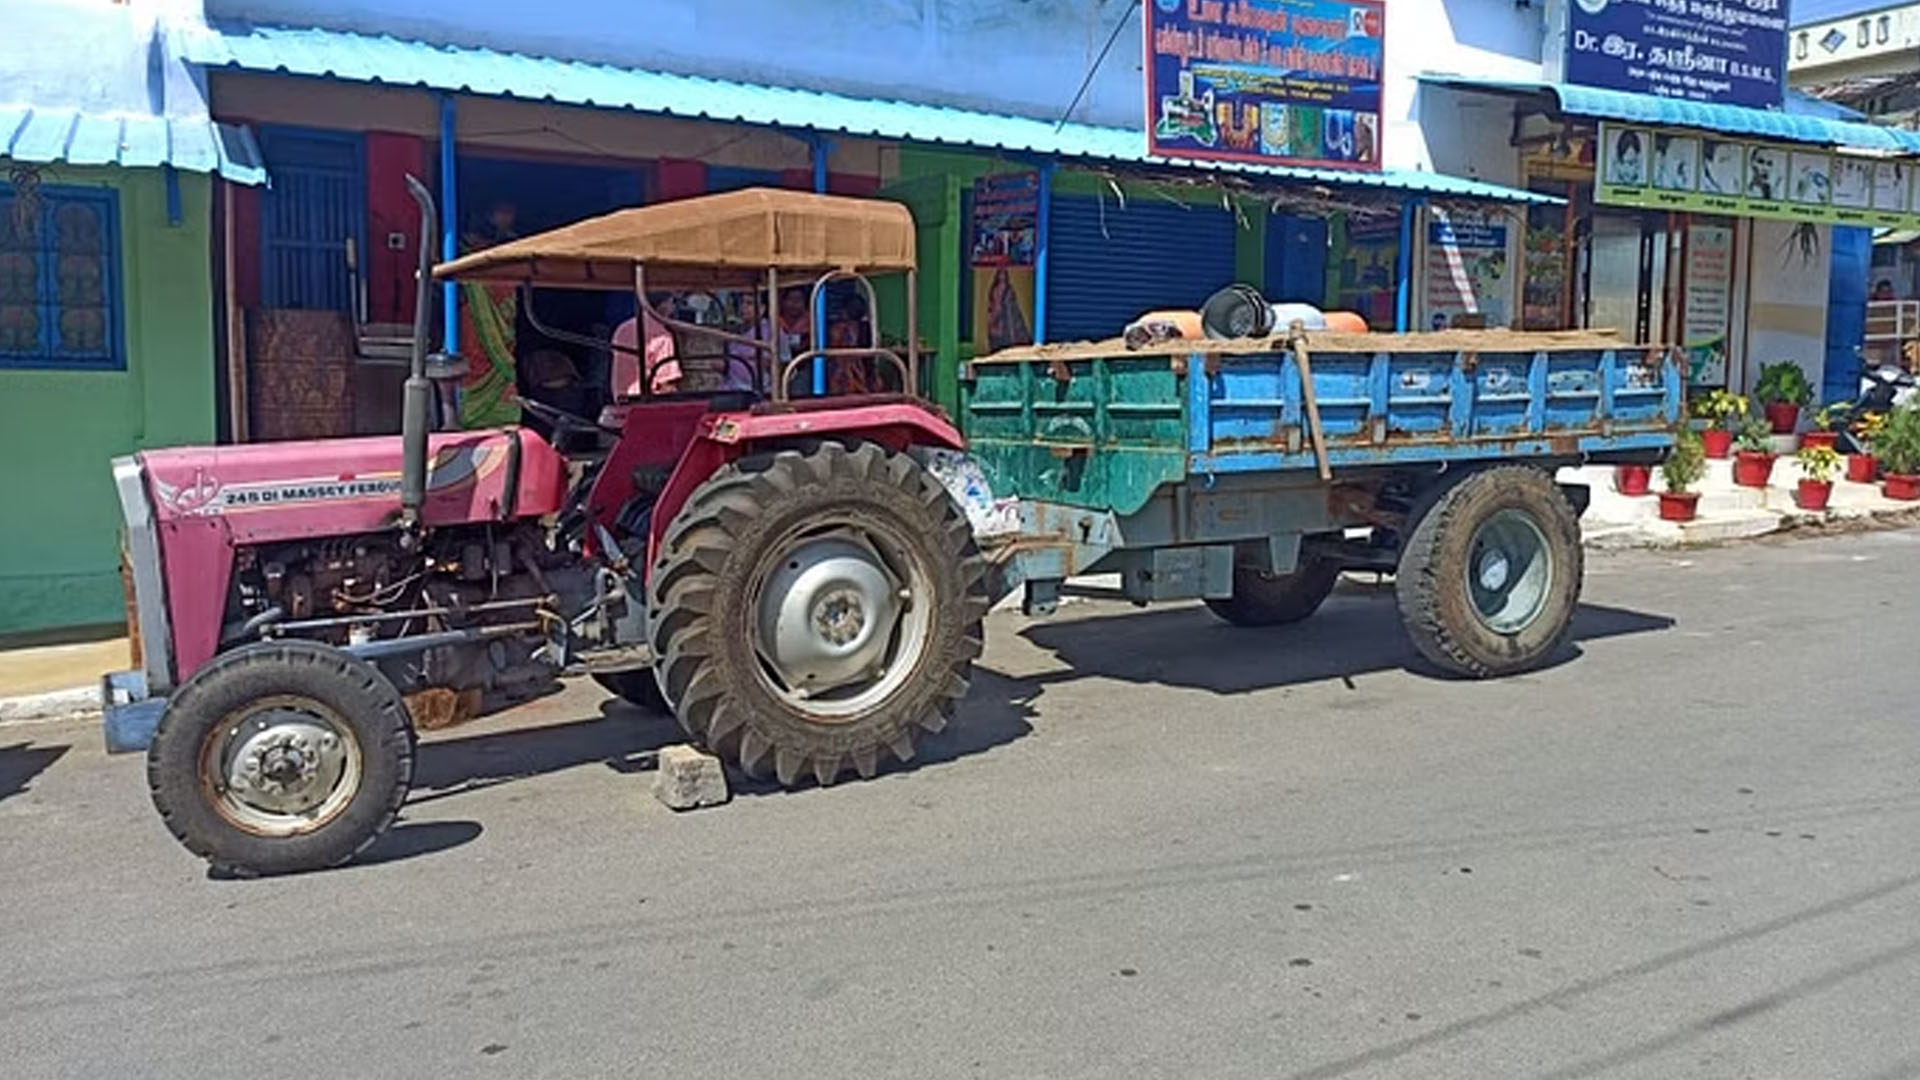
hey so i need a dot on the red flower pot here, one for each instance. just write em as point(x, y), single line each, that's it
point(1815, 493)
point(1718, 443)
point(1752, 469)
point(1633, 479)
point(1679, 505)
point(1862, 468)
point(1819, 438)
point(1784, 416)
point(1906, 488)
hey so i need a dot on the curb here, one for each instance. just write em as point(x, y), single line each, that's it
point(75, 703)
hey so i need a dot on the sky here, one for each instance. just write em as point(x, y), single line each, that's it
point(1803, 12)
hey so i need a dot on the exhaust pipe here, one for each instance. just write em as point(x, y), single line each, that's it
point(419, 392)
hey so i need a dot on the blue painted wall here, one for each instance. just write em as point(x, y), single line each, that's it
point(1021, 56)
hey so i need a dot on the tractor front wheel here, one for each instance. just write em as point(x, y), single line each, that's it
point(281, 757)
point(814, 609)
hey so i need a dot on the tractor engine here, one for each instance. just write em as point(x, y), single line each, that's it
point(466, 614)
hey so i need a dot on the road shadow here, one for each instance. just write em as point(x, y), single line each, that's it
point(628, 739)
point(21, 762)
point(412, 839)
point(1357, 632)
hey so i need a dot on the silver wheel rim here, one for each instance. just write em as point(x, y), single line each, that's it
point(1509, 572)
point(281, 766)
point(837, 623)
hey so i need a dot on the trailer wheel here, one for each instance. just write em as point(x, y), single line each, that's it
point(816, 608)
point(1490, 576)
point(281, 757)
point(1263, 599)
point(636, 687)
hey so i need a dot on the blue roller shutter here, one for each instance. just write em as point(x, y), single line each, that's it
point(1106, 265)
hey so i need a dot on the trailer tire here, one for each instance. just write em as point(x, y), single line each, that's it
point(1263, 599)
point(1490, 576)
point(636, 687)
point(845, 568)
point(281, 757)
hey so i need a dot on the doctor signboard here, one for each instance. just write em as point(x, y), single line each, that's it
point(1265, 81)
point(1733, 52)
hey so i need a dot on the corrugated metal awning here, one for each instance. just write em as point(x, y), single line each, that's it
point(1786, 126)
point(46, 135)
point(394, 62)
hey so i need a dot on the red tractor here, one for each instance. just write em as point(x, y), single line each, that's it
point(783, 572)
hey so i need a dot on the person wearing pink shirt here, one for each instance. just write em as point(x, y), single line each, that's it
point(658, 358)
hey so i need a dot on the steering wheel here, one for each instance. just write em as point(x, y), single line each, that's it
point(562, 419)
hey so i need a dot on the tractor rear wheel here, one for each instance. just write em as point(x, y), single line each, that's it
point(1490, 576)
point(814, 609)
point(281, 757)
point(1263, 599)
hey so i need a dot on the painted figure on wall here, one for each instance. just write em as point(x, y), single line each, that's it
point(1007, 323)
point(488, 317)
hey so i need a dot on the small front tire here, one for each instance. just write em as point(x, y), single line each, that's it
point(281, 757)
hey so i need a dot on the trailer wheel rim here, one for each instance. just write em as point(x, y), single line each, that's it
point(840, 619)
point(1509, 572)
point(281, 766)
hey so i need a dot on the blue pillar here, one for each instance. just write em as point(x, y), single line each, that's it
point(1403, 267)
point(822, 149)
point(1042, 234)
point(449, 226)
point(175, 212)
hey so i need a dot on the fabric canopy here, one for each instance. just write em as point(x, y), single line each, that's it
point(741, 231)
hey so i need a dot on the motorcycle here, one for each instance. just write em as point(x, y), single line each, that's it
point(1882, 390)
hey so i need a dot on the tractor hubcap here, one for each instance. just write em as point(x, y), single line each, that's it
point(282, 767)
point(836, 625)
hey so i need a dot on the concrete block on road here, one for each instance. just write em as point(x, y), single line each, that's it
point(688, 779)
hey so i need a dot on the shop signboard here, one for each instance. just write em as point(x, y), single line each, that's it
point(1006, 210)
point(1708, 302)
point(1703, 173)
point(1731, 52)
point(1468, 281)
point(1293, 82)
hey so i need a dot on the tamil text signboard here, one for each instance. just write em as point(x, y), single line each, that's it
point(1703, 173)
point(1285, 82)
point(1733, 52)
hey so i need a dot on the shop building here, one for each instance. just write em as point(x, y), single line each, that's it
point(107, 163)
point(1711, 207)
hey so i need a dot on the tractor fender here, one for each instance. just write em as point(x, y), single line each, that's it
point(728, 437)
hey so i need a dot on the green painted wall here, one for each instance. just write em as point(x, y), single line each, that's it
point(60, 532)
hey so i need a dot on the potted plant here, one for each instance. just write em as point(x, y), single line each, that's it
point(1783, 391)
point(1863, 467)
point(1898, 449)
point(1633, 479)
point(1722, 411)
point(1753, 460)
point(1683, 468)
point(1818, 464)
point(1827, 425)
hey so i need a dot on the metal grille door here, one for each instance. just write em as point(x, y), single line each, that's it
point(317, 201)
point(1109, 264)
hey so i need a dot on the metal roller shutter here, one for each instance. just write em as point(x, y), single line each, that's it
point(1107, 265)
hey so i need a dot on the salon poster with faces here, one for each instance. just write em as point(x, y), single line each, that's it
point(1696, 172)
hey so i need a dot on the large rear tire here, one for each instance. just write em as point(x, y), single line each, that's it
point(281, 757)
point(1263, 599)
point(1490, 576)
point(814, 609)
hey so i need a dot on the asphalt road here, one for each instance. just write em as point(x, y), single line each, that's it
point(1155, 847)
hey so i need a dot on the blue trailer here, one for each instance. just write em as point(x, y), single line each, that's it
point(1250, 473)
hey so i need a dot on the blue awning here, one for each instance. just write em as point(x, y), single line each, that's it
point(1587, 101)
point(135, 141)
point(394, 62)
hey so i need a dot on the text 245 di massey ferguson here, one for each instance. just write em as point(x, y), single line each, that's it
point(802, 580)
